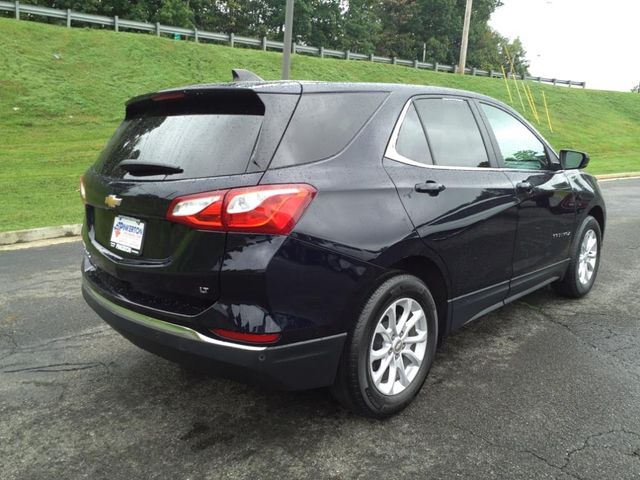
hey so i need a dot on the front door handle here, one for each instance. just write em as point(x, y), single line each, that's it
point(524, 187)
point(431, 187)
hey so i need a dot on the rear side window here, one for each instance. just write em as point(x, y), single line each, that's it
point(324, 124)
point(202, 145)
point(519, 147)
point(452, 132)
point(411, 142)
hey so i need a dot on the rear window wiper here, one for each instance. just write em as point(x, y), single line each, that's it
point(141, 169)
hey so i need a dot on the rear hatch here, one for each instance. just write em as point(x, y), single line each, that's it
point(173, 144)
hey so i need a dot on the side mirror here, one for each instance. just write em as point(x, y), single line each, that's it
point(571, 159)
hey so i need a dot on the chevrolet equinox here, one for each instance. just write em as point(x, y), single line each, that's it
point(304, 234)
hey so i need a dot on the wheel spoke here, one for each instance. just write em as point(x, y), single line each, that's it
point(386, 334)
point(393, 374)
point(419, 338)
point(402, 374)
point(378, 374)
point(410, 354)
point(376, 355)
point(406, 311)
point(391, 315)
point(415, 317)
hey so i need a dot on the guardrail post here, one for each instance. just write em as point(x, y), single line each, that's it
point(232, 39)
point(321, 52)
point(474, 71)
point(195, 34)
point(415, 63)
point(394, 60)
point(435, 66)
point(371, 57)
point(346, 54)
point(17, 10)
point(584, 84)
point(68, 18)
point(293, 47)
point(264, 44)
point(158, 29)
point(116, 27)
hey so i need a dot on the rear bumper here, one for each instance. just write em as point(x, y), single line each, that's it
point(296, 366)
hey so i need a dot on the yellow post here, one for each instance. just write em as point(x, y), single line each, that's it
point(544, 100)
point(533, 102)
point(515, 80)
point(506, 82)
point(518, 90)
point(526, 94)
point(532, 105)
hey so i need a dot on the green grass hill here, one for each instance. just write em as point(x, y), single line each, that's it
point(62, 93)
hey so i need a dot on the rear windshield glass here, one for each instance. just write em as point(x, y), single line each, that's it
point(202, 145)
point(323, 124)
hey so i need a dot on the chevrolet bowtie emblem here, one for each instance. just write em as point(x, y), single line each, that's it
point(112, 201)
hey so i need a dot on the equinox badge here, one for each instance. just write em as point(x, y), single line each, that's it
point(112, 201)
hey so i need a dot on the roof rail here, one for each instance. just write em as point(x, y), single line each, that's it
point(242, 75)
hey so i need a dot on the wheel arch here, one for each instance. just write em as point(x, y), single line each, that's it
point(430, 273)
point(598, 213)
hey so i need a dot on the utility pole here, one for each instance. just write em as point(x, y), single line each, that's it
point(465, 37)
point(288, 31)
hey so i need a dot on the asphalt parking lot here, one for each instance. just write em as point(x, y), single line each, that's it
point(544, 388)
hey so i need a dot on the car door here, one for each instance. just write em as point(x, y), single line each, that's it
point(546, 203)
point(441, 162)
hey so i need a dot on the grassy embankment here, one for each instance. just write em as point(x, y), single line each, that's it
point(62, 92)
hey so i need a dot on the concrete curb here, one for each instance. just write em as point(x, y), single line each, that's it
point(46, 233)
point(615, 176)
point(35, 234)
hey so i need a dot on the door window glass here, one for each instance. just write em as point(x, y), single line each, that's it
point(452, 132)
point(411, 142)
point(520, 148)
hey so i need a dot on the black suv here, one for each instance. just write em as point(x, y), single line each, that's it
point(304, 234)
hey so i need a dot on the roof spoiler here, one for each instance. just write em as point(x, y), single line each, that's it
point(242, 75)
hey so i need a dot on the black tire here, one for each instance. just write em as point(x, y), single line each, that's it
point(354, 386)
point(570, 285)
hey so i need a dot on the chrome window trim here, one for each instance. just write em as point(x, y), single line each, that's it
point(392, 154)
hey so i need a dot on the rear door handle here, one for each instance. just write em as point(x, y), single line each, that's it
point(524, 187)
point(431, 187)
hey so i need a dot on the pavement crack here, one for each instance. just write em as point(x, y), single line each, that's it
point(587, 443)
point(512, 449)
point(57, 367)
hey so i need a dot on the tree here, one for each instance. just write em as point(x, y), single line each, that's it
point(636, 89)
point(360, 26)
point(397, 28)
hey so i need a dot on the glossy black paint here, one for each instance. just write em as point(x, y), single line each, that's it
point(489, 235)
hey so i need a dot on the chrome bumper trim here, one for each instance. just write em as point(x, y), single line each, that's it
point(166, 327)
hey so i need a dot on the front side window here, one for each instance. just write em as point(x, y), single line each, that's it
point(452, 132)
point(519, 147)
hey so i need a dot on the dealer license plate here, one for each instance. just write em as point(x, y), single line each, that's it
point(127, 234)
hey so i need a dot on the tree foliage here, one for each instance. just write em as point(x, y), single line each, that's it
point(400, 28)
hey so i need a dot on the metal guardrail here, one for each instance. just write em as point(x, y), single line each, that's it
point(71, 16)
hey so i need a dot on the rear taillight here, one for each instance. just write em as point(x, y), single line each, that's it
point(83, 192)
point(271, 209)
point(247, 337)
